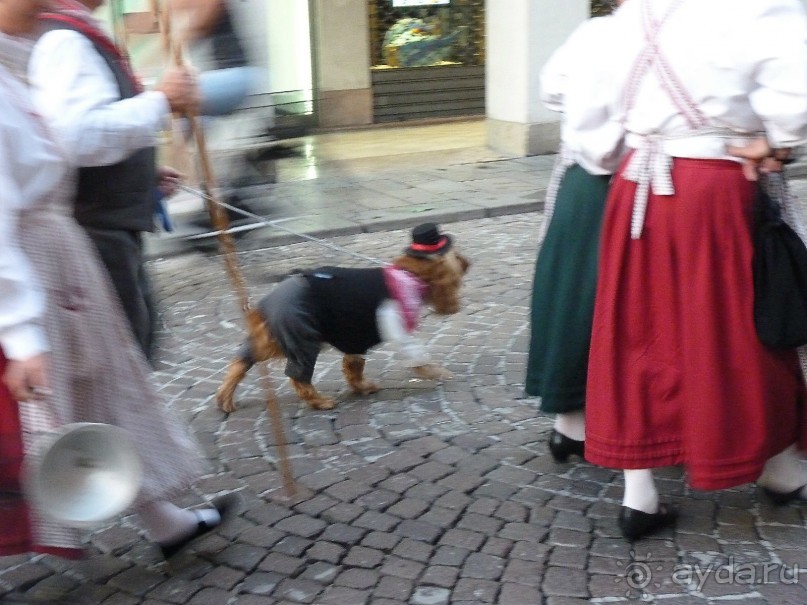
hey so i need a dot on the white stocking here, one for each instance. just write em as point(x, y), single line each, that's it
point(165, 522)
point(572, 425)
point(785, 472)
point(640, 491)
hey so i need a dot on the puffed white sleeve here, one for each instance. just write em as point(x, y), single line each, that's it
point(777, 59)
point(77, 94)
point(22, 301)
point(554, 76)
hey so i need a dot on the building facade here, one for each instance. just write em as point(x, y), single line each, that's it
point(352, 63)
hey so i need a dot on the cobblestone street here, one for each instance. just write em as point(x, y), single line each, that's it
point(422, 494)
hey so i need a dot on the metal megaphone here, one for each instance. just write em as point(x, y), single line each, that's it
point(84, 474)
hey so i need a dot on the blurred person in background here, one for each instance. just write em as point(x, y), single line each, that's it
point(207, 28)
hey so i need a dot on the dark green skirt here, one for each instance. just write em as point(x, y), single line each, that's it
point(563, 294)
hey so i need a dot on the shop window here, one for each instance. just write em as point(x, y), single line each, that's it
point(426, 33)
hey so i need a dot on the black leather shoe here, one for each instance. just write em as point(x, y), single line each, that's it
point(561, 447)
point(228, 507)
point(636, 524)
point(782, 498)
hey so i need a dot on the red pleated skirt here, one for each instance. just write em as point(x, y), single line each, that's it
point(676, 372)
point(16, 535)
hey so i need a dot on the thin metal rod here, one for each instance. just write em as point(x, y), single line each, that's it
point(276, 224)
point(219, 219)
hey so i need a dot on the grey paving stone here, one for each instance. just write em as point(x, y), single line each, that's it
point(419, 530)
point(409, 508)
point(413, 549)
point(174, 590)
point(498, 547)
point(391, 587)
point(343, 534)
point(361, 556)
point(401, 568)
point(476, 591)
point(298, 590)
point(518, 594)
point(320, 572)
point(381, 540)
point(357, 578)
point(210, 596)
point(430, 595)
point(340, 595)
point(376, 521)
point(326, 551)
point(136, 580)
point(242, 556)
point(292, 545)
point(565, 582)
point(482, 566)
point(260, 583)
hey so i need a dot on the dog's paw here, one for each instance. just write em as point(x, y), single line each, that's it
point(431, 371)
point(365, 388)
point(321, 403)
point(225, 401)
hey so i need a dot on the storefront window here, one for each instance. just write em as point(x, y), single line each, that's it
point(425, 33)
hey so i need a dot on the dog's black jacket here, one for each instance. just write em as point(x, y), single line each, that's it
point(345, 303)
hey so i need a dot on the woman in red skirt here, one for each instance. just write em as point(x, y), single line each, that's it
point(677, 374)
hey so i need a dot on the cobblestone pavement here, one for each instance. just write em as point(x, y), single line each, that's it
point(421, 494)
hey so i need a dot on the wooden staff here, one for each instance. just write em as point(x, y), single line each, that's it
point(221, 223)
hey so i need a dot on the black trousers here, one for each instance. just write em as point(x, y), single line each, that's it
point(122, 254)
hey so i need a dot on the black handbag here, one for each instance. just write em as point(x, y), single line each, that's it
point(780, 271)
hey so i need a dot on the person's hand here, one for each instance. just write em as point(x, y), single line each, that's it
point(759, 157)
point(27, 380)
point(180, 87)
point(168, 180)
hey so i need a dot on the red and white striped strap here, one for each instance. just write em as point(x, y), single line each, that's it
point(650, 165)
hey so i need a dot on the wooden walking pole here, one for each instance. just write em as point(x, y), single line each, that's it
point(221, 223)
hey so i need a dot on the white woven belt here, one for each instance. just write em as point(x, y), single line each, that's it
point(651, 163)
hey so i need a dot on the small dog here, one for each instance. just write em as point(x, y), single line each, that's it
point(352, 310)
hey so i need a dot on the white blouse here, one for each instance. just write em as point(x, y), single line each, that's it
point(743, 63)
point(30, 169)
point(574, 82)
point(73, 87)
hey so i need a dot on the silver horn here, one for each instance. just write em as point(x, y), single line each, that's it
point(84, 474)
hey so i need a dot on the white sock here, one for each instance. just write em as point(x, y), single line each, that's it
point(165, 522)
point(785, 472)
point(640, 491)
point(572, 425)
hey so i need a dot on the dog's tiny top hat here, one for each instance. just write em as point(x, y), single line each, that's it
point(427, 240)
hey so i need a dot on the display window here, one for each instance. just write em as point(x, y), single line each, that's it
point(426, 33)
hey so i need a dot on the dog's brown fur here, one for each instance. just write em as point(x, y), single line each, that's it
point(443, 274)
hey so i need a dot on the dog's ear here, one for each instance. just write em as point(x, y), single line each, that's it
point(443, 274)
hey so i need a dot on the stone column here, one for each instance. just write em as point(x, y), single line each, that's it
point(341, 59)
point(521, 35)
